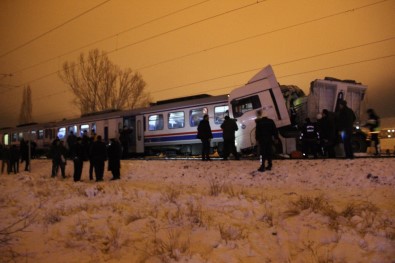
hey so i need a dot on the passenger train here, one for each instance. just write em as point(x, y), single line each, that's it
point(168, 126)
point(171, 126)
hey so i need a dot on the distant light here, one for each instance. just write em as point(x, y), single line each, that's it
point(389, 136)
point(388, 130)
point(357, 127)
point(393, 130)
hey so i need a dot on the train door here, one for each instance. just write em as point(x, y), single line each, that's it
point(106, 133)
point(139, 134)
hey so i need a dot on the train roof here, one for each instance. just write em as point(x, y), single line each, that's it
point(189, 103)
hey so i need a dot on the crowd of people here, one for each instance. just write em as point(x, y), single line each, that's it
point(87, 148)
point(321, 137)
point(13, 155)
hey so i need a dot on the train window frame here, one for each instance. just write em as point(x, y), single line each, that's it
point(157, 123)
point(219, 115)
point(241, 106)
point(40, 134)
point(33, 135)
point(176, 120)
point(61, 133)
point(73, 129)
point(83, 128)
point(199, 112)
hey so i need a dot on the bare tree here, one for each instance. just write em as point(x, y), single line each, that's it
point(25, 115)
point(100, 85)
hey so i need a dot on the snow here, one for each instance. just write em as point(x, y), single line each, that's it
point(193, 211)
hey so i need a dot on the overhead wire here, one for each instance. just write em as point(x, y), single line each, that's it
point(229, 43)
point(309, 57)
point(112, 36)
point(260, 35)
point(161, 34)
point(52, 29)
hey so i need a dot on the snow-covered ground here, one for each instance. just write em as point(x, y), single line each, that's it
point(193, 211)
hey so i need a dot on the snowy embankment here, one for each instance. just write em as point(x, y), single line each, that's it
point(193, 211)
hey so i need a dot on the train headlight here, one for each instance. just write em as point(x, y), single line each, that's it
point(243, 126)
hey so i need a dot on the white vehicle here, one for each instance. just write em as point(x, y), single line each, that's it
point(288, 107)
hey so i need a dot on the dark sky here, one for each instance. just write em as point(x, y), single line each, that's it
point(187, 47)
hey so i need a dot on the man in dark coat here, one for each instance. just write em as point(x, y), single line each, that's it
point(98, 155)
point(71, 141)
point(58, 153)
point(265, 132)
point(114, 159)
point(24, 148)
point(78, 159)
point(310, 138)
point(14, 159)
point(205, 135)
point(345, 121)
point(5, 159)
point(229, 127)
point(328, 133)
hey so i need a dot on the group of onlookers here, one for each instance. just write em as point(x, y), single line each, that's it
point(86, 148)
point(12, 155)
point(321, 137)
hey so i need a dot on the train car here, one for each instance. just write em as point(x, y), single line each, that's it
point(166, 127)
point(171, 127)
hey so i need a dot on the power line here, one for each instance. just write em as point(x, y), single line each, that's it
point(259, 35)
point(53, 29)
point(277, 64)
point(113, 35)
point(241, 84)
point(161, 34)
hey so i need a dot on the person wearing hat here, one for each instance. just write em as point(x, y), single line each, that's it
point(265, 133)
point(345, 121)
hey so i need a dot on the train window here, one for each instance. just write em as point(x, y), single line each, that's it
point(176, 120)
point(33, 135)
point(15, 137)
point(93, 127)
point(20, 136)
point(196, 115)
point(155, 122)
point(40, 134)
point(244, 105)
point(219, 114)
point(61, 133)
point(72, 129)
point(84, 127)
point(6, 140)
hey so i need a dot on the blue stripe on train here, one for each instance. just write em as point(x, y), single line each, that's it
point(178, 138)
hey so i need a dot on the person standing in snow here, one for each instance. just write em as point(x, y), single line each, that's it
point(114, 159)
point(78, 159)
point(265, 134)
point(205, 135)
point(328, 133)
point(98, 155)
point(58, 153)
point(310, 138)
point(345, 121)
point(229, 127)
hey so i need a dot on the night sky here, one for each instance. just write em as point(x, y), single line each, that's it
point(188, 47)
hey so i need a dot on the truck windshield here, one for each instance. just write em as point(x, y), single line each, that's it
point(244, 105)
